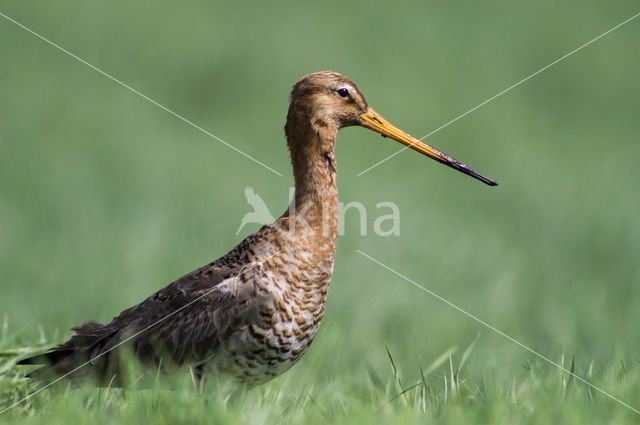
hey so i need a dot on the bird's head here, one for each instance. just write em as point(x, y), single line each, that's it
point(329, 101)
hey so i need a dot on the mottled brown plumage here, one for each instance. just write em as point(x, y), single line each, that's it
point(253, 312)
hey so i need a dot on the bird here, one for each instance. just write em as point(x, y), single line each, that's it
point(260, 213)
point(251, 314)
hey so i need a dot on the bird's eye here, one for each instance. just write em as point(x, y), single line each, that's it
point(343, 92)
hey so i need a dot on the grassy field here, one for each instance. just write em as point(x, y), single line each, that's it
point(104, 198)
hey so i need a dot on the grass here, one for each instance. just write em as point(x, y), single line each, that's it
point(104, 198)
point(443, 392)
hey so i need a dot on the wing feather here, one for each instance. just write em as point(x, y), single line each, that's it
point(184, 322)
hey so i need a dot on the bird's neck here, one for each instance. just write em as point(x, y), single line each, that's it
point(315, 201)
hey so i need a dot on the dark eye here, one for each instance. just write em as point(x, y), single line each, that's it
point(343, 92)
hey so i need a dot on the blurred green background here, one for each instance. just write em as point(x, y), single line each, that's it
point(105, 197)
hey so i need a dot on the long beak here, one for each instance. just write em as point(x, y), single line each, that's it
point(373, 121)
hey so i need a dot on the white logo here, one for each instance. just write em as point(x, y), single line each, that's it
point(383, 225)
point(260, 213)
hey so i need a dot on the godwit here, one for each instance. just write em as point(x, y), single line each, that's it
point(253, 312)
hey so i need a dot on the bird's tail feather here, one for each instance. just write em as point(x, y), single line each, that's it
point(65, 359)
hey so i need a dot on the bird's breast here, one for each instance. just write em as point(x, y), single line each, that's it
point(286, 307)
